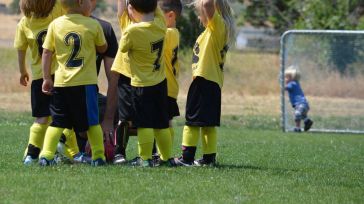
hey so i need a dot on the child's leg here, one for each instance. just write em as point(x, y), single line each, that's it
point(145, 142)
point(71, 143)
point(209, 143)
point(164, 143)
point(189, 142)
point(36, 137)
point(51, 140)
point(95, 137)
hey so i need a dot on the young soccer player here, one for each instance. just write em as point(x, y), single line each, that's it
point(30, 33)
point(203, 108)
point(107, 59)
point(73, 39)
point(297, 98)
point(119, 92)
point(148, 80)
point(172, 10)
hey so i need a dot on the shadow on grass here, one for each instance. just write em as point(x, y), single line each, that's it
point(256, 168)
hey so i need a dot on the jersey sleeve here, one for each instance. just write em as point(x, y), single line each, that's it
point(20, 40)
point(125, 42)
point(111, 42)
point(289, 86)
point(100, 37)
point(124, 21)
point(49, 42)
point(213, 23)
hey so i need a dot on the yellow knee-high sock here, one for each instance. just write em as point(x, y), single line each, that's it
point(71, 143)
point(96, 139)
point(190, 136)
point(171, 130)
point(164, 142)
point(51, 140)
point(145, 142)
point(209, 140)
point(36, 136)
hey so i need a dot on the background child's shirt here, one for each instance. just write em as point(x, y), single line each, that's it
point(30, 32)
point(121, 62)
point(171, 61)
point(210, 50)
point(72, 38)
point(295, 93)
point(144, 43)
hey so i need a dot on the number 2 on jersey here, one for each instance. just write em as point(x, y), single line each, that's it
point(74, 39)
point(157, 47)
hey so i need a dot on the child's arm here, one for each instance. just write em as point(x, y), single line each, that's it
point(208, 8)
point(46, 66)
point(101, 49)
point(111, 103)
point(24, 76)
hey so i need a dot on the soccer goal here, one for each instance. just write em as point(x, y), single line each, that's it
point(332, 77)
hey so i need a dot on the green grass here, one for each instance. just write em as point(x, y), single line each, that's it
point(255, 166)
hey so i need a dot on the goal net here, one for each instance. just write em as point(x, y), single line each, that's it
point(332, 77)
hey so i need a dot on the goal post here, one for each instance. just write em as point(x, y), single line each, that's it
point(331, 63)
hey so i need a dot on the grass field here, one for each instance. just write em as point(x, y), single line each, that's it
point(256, 165)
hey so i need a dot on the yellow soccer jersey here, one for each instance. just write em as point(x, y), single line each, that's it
point(171, 61)
point(144, 43)
point(121, 61)
point(72, 38)
point(30, 32)
point(210, 50)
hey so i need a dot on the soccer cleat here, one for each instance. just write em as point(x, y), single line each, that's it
point(82, 158)
point(141, 163)
point(45, 162)
point(297, 129)
point(98, 162)
point(308, 124)
point(29, 160)
point(203, 162)
point(119, 159)
point(156, 158)
point(169, 163)
point(181, 162)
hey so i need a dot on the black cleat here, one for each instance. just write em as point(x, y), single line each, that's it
point(308, 124)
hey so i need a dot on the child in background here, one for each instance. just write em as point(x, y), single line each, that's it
point(73, 39)
point(297, 98)
point(203, 107)
point(148, 80)
point(30, 33)
point(172, 9)
point(119, 92)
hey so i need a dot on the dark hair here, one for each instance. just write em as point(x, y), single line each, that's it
point(144, 6)
point(37, 8)
point(171, 5)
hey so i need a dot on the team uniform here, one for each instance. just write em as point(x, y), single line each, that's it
point(72, 38)
point(203, 107)
point(30, 34)
point(172, 70)
point(121, 65)
point(149, 85)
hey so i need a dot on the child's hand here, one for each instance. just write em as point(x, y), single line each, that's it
point(47, 86)
point(24, 79)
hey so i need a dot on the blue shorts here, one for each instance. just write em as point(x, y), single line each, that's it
point(75, 107)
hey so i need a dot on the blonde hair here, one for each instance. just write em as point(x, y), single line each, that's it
point(224, 9)
point(37, 8)
point(294, 72)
